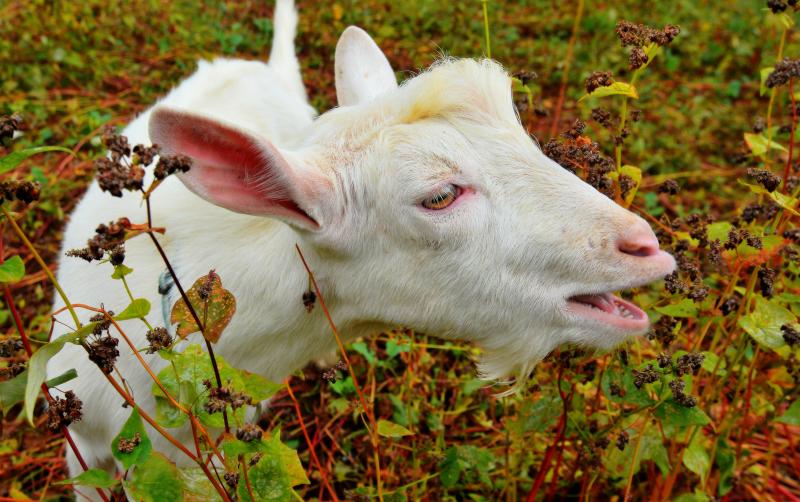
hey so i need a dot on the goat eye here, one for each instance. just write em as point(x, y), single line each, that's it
point(443, 198)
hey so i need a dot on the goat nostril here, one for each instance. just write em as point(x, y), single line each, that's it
point(640, 246)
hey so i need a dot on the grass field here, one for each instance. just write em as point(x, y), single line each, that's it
point(583, 429)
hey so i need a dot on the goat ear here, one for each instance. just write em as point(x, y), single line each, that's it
point(362, 70)
point(236, 170)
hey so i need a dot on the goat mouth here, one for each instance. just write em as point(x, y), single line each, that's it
point(610, 310)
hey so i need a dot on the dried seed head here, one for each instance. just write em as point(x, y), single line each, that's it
point(622, 440)
point(107, 239)
point(249, 433)
point(309, 299)
point(689, 363)
point(765, 178)
point(766, 281)
point(670, 187)
point(23, 191)
point(63, 412)
point(158, 339)
point(637, 58)
point(144, 155)
point(10, 346)
point(103, 352)
point(525, 76)
point(171, 164)
point(647, 375)
point(231, 479)
point(790, 335)
point(784, 71)
point(10, 124)
point(128, 445)
point(598, 79)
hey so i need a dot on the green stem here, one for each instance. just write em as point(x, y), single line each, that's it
point(486, 28)
point(47, 271)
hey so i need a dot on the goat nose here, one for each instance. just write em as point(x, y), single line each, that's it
point(639, 240)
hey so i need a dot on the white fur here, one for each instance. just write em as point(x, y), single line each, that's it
point(494, 269)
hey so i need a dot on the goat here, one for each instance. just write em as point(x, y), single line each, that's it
point(424, 205)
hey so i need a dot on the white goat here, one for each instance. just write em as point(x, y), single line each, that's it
point(425, 205)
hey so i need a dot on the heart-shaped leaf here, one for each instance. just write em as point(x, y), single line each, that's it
point(213, 304)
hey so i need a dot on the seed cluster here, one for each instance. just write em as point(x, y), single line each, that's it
point(790, 335)
point(108, 240)
point(647, 375)
point(128, 445)
point(777, 6)
point(677, 387)
point(9, 124)
point(120, 171)
point(220, 397)
point(765, 178)
point(640, 35)
point(598, 79)
point(63, 412)
point(575, 152)
point(10, 346)
point(330, 374)
point(23, 191)
point(249, 433)
point(158, 339)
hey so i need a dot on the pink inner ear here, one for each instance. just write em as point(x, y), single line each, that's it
point(230, 169)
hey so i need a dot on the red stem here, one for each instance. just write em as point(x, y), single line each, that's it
point(28, 350)
point(791, 139)
point(322, 473)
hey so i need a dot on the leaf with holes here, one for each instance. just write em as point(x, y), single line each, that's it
point(215, 312)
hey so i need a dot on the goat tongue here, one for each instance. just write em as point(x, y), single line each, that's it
point(604, 302)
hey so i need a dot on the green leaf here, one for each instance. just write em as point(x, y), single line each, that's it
point(685, 308)
point(536, 415)
point(258, 387)
point(785, 201)
point(138, 308)
point(184, 378)
point(93, 478)
point(121, 271)
point(392, 430)
point(156, 480)
point(762, 87)
point(635, 174)
point(695, 457)
point(12, 270)
point(675, 417)
point(37, 371)
point(13, 391)
point(792, 414)
point(764, 323)
point(393, 348)
point(726, 461)
point(759, 144)
point(615, 89)
point(215, 313)
point(273, 477)
point(13, 159)
point(141, 452)
point(470, 462)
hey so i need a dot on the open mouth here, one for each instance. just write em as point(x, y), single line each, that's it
point(610, 310)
